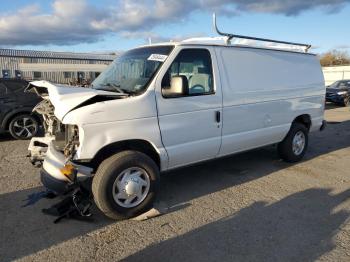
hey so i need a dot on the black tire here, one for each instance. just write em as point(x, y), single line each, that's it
point(23, 127)
point(347, 101)
point(106, 175)
point(285, 148)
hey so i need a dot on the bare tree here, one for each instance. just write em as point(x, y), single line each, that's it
point(335, 57)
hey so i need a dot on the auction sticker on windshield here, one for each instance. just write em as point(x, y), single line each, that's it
point(157, 57)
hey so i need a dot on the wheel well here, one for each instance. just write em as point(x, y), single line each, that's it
point(303, 119)
point(7, 123)
point(136, 144)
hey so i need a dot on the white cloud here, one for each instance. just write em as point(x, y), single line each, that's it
point(76, 21)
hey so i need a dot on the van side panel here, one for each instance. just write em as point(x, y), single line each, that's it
point(263, 92)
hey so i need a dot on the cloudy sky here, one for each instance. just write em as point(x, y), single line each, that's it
point(108, 25)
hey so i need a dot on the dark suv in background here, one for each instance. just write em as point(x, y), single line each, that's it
point(16, 109)
point(339, 92)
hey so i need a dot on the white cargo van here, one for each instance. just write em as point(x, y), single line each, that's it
point(165, 106)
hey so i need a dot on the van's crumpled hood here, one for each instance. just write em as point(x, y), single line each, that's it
point(65, 98)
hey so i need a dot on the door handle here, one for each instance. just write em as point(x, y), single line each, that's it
point(218, 116)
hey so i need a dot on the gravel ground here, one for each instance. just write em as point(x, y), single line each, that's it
point(247, 207)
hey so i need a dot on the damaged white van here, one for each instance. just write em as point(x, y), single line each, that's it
point(165, 106)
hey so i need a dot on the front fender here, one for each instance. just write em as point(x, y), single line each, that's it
point(94, 137)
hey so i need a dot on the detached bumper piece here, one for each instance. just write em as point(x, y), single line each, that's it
point(75, 202)
point(76, 205)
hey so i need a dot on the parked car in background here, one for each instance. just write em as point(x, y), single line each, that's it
point(16, 108)
point(339, 92)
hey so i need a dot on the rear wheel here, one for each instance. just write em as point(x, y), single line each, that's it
point(125, 185)
point(294, 145)
point(347, 101)
point(23, 127)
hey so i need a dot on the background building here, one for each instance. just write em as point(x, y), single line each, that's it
point(57, 67)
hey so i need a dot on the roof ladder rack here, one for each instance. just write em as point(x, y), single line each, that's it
point(231, 36)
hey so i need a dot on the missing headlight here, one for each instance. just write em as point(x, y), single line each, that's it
point(72, 140)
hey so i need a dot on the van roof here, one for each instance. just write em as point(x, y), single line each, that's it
point(222, 41)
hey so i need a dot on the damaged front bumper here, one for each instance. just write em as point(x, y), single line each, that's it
point(61, 176)
point(54, 175)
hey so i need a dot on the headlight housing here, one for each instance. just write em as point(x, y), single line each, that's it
point(342, 93)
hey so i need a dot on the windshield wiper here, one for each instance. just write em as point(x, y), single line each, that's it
point(122, 90)
point(129, 92)
point(116, 87)
point(112, 88)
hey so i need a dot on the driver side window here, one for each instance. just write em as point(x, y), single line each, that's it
point(196, 66)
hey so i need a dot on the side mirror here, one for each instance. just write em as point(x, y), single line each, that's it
point(178, 87)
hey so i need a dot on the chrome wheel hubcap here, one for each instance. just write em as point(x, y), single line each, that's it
point(24, 127)
point(298, 143)
point(131, 187)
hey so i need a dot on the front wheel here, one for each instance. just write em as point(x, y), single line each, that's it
point(125, 185)
point(347, 101)
point(293, 147)
point(23, 127)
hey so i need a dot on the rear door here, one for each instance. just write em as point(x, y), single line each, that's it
point(190, 125)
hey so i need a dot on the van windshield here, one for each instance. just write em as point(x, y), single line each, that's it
point(131, 72)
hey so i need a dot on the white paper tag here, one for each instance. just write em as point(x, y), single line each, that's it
point(157, 57)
